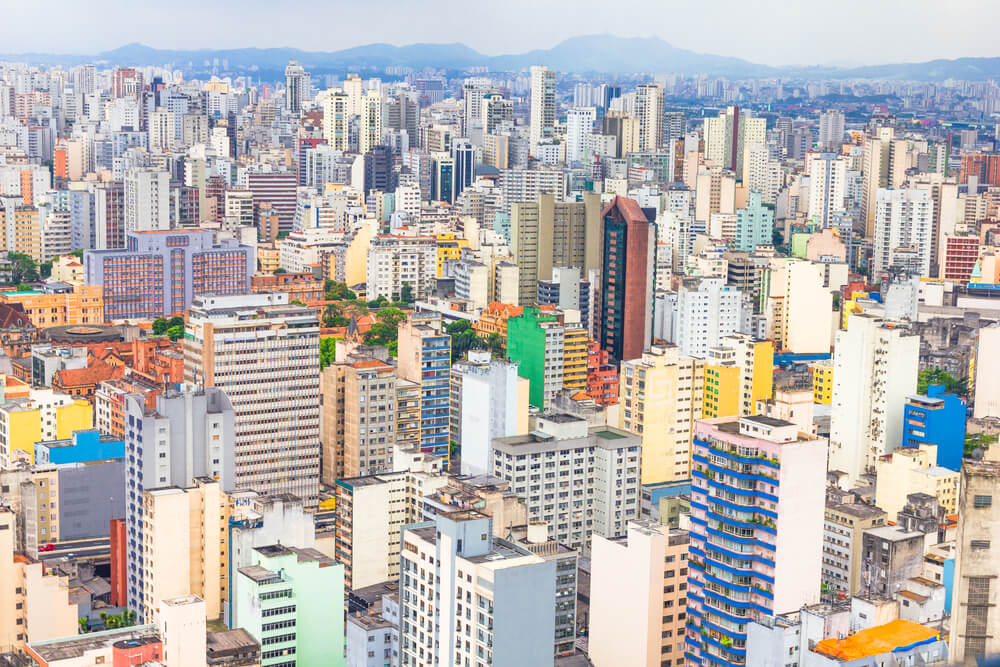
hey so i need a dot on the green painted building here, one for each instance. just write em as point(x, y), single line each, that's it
point(292, 602)
point(526, 345)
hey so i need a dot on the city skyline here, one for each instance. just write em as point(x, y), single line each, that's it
point(745, 31)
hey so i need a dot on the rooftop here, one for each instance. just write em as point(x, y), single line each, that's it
point(892, 636)
point(229, 641)
point(67, 648)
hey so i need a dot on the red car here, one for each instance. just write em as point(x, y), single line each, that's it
point(47, 547)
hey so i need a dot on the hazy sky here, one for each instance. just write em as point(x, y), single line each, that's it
point(774, 32)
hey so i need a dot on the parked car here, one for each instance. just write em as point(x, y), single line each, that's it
point(47, 547)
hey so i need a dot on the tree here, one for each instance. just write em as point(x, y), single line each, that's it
point(333, 316)
point(932, 376)
point(327, 351)
point(494, 343)
point(974, 441)
point(463, 338)
point(385, 329)
point(175, 321)
point(337, 291)
point(296, 302)
point(77, 253)
point(380, 302)
point(175, 333)
point(279, 271)
point(46, 269)
point(406, 293)
point(23, 267)
point(160, 326)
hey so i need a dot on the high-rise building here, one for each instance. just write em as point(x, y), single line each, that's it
point(496, 111)
point(188, 435)
point(936, 418)
point(739, 372)
point(185, 534)
point(463, 155)
point(484, 599)
point(425, 358)
point(278, 188)
point(754, 224)
point(543, 105)
point(443, 178)
point(160, 273)
point(488, 401)
point(625, 322)
point(296, 87)
point(547, 233)
point(702, 313)
point(903, 222)
point(827, 183)
point(397, 261)
point(661, 397)
point(371, 121)
point(336, 119)
point(579, 122)
point(798, 306)
point(986, 392)
point(843, 529)
point(874, 370)
point(883, 166)
point(147, 200)
point(831, 130)
point(283, 600)
point(730, 136)
point(550, 351)
point(781, 477)
point(638, 594)
point(649, 111)
point(591, 497)
point(264, 353)
point(371, 510)
point(975, 622)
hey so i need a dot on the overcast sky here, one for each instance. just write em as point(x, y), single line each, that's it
point(773, 32)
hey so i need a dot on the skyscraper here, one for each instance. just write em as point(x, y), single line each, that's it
point(579, 123)
point(147, 200)
point(903, 221)
point(264, 353)
point(874, 370)
point(831, 130)
point(336, 119)
point(827, 181)
point(975, 621)
point(371, 121)
point(463, 154)
point(425, 358)
point(758, 552)
point(189, 434)
point(546, 233)
point(543, 104)
point(625, 321)
point(729, 137)
point(296, 86)
point(649, 111)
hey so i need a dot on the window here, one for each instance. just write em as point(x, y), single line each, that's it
point(980, 544)
point(982, 501)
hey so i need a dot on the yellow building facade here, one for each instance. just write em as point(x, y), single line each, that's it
point(83, 305)
point(738, 373)
point(823, 382)
point(661, 396)
point(47, 415)
point(449, 247)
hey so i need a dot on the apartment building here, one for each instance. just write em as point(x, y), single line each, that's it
point(757, 501)
point(467, 595)
point(638, 597)
point(660, 399)
point(425, 358)
point(158, 274)
point(843, 527)
point(371, 510)
point(581, 480)
point(284, 600)
point(264, 353)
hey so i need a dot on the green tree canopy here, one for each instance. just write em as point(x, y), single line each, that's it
point(160, 326)
point(932, 376)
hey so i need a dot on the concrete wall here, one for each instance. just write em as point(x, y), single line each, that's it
point(90, 496)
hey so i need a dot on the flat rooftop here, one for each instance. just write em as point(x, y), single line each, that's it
point(68, 648)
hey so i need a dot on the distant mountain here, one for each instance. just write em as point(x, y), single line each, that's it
point(591, 53)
